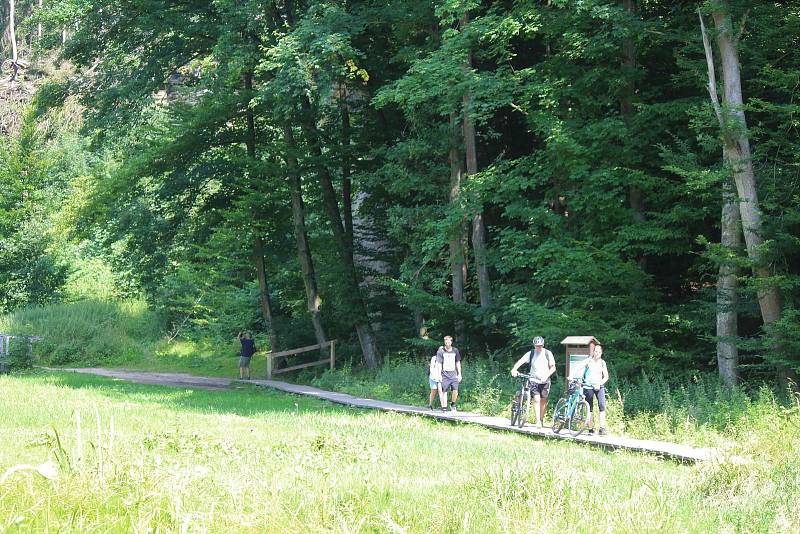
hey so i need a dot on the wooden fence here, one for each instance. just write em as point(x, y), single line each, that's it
point(284, 353)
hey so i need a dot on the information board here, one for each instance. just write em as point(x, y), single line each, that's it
point(576, 364)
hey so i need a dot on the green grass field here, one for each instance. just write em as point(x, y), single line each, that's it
point(133, 458)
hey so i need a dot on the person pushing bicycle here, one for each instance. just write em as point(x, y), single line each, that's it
point(542, 365)
point(595, 376)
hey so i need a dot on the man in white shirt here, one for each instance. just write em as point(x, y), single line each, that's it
point(542, 366)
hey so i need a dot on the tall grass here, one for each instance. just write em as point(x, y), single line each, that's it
point(702, 412)
point(104, 456)
point(121, 333)
point(89, 332)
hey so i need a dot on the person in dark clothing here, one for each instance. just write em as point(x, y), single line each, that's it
point(246, 352)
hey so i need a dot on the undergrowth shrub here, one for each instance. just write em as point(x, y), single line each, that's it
point(91, 332)
point(19, 355)
point(700, 412)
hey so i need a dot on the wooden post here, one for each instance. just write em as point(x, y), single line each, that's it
point(333, 353)
point(269, 366)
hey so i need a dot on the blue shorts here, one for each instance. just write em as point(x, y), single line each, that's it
point(434, 384)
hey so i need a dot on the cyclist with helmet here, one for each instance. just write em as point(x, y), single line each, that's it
point(542, 366)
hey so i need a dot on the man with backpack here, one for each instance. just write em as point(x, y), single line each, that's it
point(449, 358)
point(541, 366)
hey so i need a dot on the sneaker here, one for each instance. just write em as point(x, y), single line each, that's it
point(453, 408)
point(539, 424)
point(591, 432)
point(602, 432)
point(443, 409)
point(430, 407)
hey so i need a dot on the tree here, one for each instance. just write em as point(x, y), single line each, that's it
point(478, 226)
point(733, 126)
point(727, 314)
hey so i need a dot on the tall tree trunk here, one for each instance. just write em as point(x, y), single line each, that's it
point(635, 200)
point(733, 125)
point(39, 25)
point(344, 244)
point(250, 137)
point(727, 316)
point(457, 263)
point(352, 293)
point(263, 291)
point(478, 226)
point(347, 183)
point(13, 36)
point(258, 246)
point(301, 237)
point(738, 149)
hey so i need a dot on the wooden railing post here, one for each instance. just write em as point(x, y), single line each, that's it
point(331, 361)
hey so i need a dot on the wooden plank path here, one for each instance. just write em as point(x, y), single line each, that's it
point(664, 449)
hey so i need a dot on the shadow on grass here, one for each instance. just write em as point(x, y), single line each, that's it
point(245, 400)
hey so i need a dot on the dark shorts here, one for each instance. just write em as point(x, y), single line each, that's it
point(543, 390)
point(601, 398)
point(449, 382)
point(244, 361)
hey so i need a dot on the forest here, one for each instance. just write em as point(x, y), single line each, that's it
point(387, 172)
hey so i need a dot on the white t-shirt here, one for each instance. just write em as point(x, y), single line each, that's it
point(540, 364)
point(595, 371)
point(448, 359)
point(435, 372)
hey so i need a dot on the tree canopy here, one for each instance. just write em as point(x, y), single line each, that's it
point(333, 139)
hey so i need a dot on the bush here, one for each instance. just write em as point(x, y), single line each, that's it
point(90, 332)
point(20, 356)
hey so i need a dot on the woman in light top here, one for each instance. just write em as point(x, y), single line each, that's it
point(595, 375)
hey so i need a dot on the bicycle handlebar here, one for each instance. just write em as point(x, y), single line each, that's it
point(529, 377)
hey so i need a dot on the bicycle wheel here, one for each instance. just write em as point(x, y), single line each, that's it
point(524, 407)
point(579, 418)
point(560, 415)
point(514, 409)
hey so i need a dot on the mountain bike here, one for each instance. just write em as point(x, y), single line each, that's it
point(572, 411)
point(521, 404)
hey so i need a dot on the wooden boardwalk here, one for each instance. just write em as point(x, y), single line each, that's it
point(664, 449)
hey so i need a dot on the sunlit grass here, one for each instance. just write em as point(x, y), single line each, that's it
point(145, 459)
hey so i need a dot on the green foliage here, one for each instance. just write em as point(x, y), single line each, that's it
point(20, 356)
point(599, 179)
point(29, 275)
point(87, 332)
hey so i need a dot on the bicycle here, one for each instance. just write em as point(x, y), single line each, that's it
point(521, 404)
point(572, 410)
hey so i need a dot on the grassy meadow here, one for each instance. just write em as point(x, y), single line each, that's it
point(109, 456)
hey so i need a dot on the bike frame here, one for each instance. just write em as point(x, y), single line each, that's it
point(516, 404)
point(574, 398)
point(525, 386)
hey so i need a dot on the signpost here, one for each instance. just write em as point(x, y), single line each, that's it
point(578, 351)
